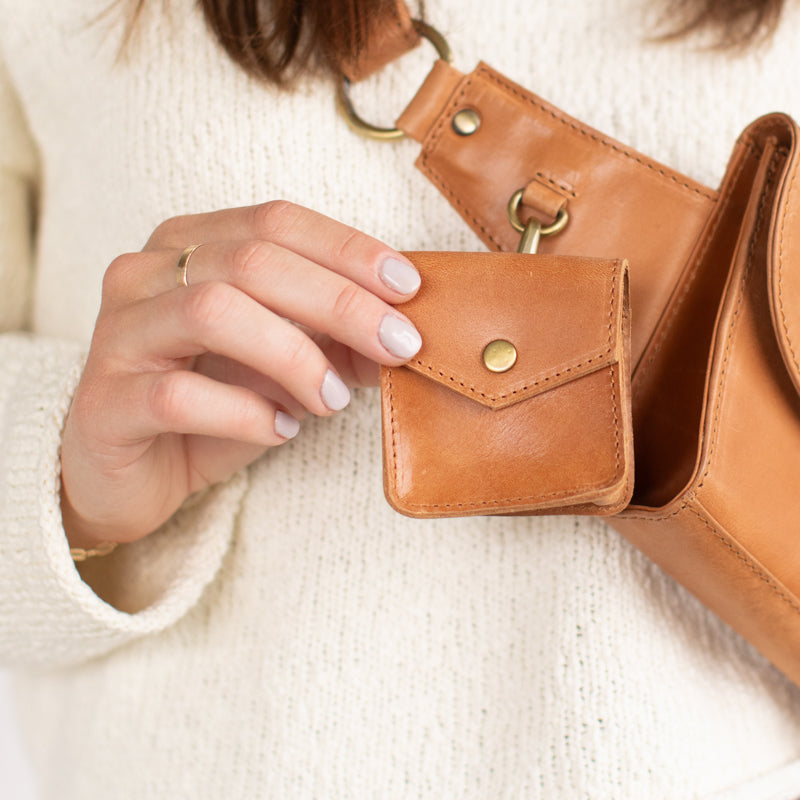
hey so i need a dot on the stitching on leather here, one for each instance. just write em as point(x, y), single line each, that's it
point(723, 379)
point(652, 517)
point(689, 497)
point(645, 367)
point(436, 179)
point(734, 548)
point(784, 320)
point(393, 424)
point(578, 128)
point(503, 501)
point(614, 400)
point(557, 184)
point(616, 421)
point(455, 378)
point(533, 497)
point(755, 568)
point(737, 551)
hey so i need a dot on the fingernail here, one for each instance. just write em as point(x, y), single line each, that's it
point(286, 425)
point(335, 393)
point(399, 337)
point(399, 276)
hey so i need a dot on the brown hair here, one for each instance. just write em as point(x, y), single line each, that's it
point(735, 24)
point(277, 39)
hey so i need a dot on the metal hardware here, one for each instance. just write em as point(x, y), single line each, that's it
point(499, 355)
point(531, 234)
point(466, 121)
point(345, 104)
point(532, 230)
point(102, 549)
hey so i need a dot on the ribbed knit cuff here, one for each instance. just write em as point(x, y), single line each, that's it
point(48, 615)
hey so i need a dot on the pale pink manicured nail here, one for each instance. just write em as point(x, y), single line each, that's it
point(286, 425)
point(399, 276)
point(335, 393)
point(399, 337)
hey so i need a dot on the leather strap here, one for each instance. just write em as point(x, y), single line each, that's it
point(379, 41)
point(427, 103)
point(612, 193)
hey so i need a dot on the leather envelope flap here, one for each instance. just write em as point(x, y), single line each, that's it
point(562, 315)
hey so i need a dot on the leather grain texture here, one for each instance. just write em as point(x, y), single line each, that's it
point(717, 495)
point(628, 205)
point(715, 305)
point(550, 435)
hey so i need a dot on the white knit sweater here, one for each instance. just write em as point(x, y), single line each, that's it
point(287, 635)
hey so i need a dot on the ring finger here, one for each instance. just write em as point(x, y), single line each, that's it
point(288, 284)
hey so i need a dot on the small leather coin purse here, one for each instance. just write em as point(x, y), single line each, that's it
point(519, 400)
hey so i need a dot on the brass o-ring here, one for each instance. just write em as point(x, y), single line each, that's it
point(562, 218)
point(345, 104)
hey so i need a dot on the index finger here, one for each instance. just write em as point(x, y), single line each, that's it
point(332, 244)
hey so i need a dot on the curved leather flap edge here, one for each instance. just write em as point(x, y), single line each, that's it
point(551, 378)
point(784, 255)
point(605, 347)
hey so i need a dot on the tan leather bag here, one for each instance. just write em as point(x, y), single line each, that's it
point(715, 304)
point(519, 399)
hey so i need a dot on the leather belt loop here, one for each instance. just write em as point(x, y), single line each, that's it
point(546, 198)
point(390, 36)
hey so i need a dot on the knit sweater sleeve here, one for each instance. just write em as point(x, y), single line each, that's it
point(50, 612)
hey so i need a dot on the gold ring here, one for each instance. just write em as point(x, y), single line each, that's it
point(183, 264)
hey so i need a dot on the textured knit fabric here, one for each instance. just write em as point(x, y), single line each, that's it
point(287, 635)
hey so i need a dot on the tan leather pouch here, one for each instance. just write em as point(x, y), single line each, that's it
point(552, 433)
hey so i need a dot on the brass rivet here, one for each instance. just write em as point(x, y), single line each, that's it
point(466, 122)
point(499, 355)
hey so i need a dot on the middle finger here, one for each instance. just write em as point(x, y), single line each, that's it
point(290, 286)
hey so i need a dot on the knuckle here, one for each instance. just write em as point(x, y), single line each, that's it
point(249, 259)
point(167, 398)
point(88, 401)
point(207, 305)
point(103, 334)
point(108, 338)
point(247, 412)
point(164, 232)
point(297, 350)
point(274, 218)
point(118, 275)
point(350, 246)
point(347, 303)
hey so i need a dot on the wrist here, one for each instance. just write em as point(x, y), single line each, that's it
point(83, 541)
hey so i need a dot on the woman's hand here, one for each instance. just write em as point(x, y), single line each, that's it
point(186, 384)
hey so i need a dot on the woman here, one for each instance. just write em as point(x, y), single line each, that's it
point(267, 626)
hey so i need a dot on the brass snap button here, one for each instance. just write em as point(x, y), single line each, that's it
point(466, 122)
point(499, 355)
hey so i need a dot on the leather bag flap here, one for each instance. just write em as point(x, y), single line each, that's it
point(784, 252)
point(563, 316)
